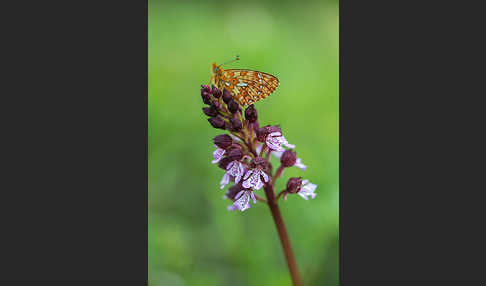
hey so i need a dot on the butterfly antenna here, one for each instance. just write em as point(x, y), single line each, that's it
point(237, 58)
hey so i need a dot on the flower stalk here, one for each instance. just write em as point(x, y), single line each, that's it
point(284, 237)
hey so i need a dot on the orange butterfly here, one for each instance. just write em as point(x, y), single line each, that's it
point(247, 86)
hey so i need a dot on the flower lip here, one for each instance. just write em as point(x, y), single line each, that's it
point(218, 155)
point(242, 201)
point(274, 140)
point(307, 190)
point(253, 179)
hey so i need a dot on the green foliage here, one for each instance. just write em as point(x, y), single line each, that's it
point(193, 239)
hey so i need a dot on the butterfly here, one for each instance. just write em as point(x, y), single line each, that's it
point(246, 86)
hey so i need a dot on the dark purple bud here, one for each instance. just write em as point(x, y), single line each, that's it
point(294, 184)
point(288, 158)
point(227, 97)
point(210, 111)
point(236, 124)
point(233, 106)
point(251, 114)
point(262, 133)
point(216, 92)
point(216, 105)
point(233, 191)
point(265, 130)
point(235, 154)
point(217, 122)
point(258, 162)
point(206, 97)
point(223, 163)
point(205, 88)
point(223, 141)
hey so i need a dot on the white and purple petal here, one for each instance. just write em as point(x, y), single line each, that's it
point(264, 175)
point(307, 190)
point(253, 181)
point(224, 181)
point(298, 164)
point(253, 197)
point(217, 155)
point(243, 203)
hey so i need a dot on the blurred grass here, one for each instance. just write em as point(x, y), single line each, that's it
point(193, 239)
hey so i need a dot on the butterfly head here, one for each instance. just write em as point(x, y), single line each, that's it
point(215, 68)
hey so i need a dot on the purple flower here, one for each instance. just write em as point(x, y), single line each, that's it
point(307, 190)
point(234, 169)
point(254, 181)
point(242, 200)
point(217, 155)
point(275, 140)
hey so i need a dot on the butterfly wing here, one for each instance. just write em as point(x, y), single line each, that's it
point(248, 86)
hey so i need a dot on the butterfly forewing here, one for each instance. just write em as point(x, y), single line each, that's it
point(247, 86)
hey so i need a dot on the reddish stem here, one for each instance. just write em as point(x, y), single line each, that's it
point(282, 233)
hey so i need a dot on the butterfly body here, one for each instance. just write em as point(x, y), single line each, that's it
point(246, 86)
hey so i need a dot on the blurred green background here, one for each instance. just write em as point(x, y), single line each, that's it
point(192, 238)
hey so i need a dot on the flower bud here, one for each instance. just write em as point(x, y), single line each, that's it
point(233, 106)
point(235, 154)
point(206, 94)
point(227, 97)
point(217, 122)
point(205, 88)
point(216, 105)
point(251, 114)
point(236, 124)
point(206, 97)
point(265, 130)
point(288, 158)
point(216, 92)
point(210, 111)
point(262, 133)
point(233, 191)
point(223, 141)
point(223, 163)
point(294, 184)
